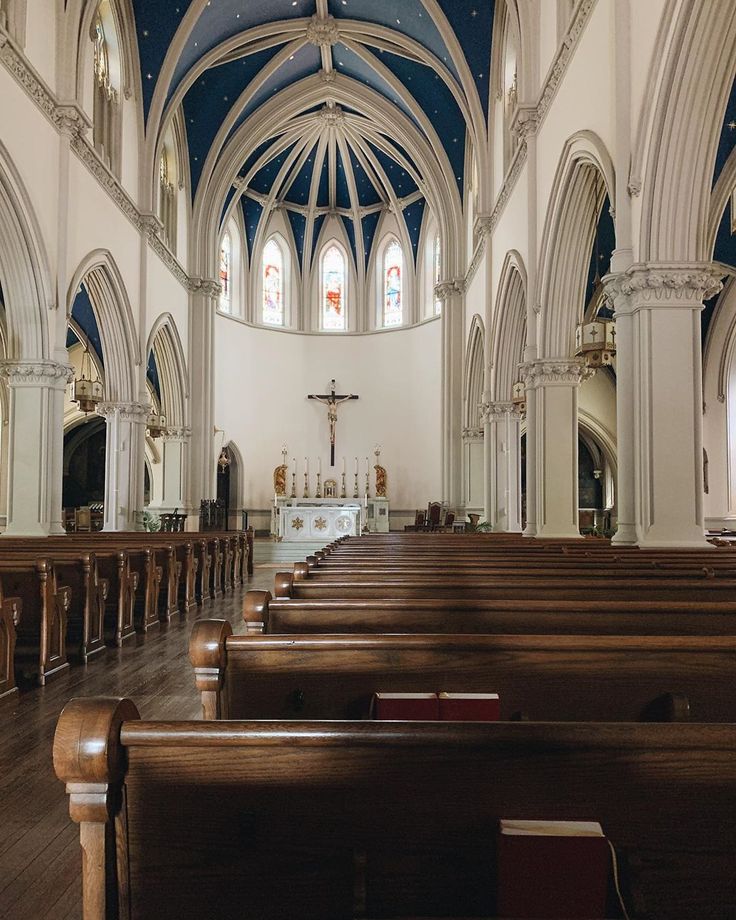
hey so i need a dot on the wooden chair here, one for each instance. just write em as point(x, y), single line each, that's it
point(83, 520)
point(434, 514)
point(448, 523)
point(420, 518)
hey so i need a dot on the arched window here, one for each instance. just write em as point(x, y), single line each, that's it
point(105, 113)
point(393, 274)
point(333, 289)
point(273, 284)
point(226, 276)
point(437, 269)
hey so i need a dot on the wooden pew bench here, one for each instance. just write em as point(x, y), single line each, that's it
point(316, 820)
point(547, 678)
point(510, 617)
point(10, 613)
point(40, 650)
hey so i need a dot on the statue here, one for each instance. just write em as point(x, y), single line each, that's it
point(380, 481)
point(279, 479)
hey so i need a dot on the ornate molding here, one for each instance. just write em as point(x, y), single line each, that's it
point(666, 284)
point(473, 434)
point(447, 289)
point(525, 122)
point(36, 373)
point(332, 115)
point(328, 76)
point(323, 31)
point(553, 372)
point(205, 286)
point(71, 121)
point(134, 412)
point(27, 77)
point(562, 59)
point(177, 434)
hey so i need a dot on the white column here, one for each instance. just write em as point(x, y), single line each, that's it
point(660, 401)
point(202, 461)
point(502, 424)
point(124, 463)
point(35, 437)
point(174, 461)
point(451, 294)
point(552, 392)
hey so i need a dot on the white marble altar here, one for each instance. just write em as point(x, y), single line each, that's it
point(304, 520)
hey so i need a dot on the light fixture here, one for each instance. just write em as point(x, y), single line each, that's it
point(595, 342)
point(518, 397)
point(87, 393)
point(223, 461)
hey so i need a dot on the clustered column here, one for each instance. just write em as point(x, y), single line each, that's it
point(552, 445)
point(451, 294)
point(502, 433)
point(660, 401)
point(35, 445)
point(124, 467)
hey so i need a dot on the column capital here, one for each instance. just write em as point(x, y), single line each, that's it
point(554, 372)
point(444, 290)
point(177, 434)
point(128, 411)
point(40, 373)
point(497, 411)
point(205, 286)
point(648, 285)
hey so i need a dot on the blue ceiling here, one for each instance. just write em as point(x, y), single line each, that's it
point(603, 245)
point(727, 139)
point(83, 315)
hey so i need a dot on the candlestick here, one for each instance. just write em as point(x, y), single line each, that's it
point(343, 466)
point(293, 484)
point(306, 485)
point(319, 464)
point(318, 493)
point(367, 483)
point(306, 464)
point(356, 466)
point(343, 492)
point(356, 494)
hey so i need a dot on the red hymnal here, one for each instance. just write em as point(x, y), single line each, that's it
point(469, 707)
point(415, 707)
point(552, 869)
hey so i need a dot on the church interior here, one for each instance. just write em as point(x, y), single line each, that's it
point(367, 366)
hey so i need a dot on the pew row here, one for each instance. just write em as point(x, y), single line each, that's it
point(336, 820)
point(10, 613)
point(545, 678)
point(262, 613)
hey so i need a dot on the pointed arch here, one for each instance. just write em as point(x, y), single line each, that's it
point(509, 327)
point(25, 275)
point(165, 342)
point(474, 375)
point(584, 177)
point(121, 349)
point(237, 476)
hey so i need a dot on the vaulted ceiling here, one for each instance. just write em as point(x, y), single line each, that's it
point(223, 61)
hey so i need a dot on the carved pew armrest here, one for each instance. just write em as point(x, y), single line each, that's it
point(208, 655)
point(255, 610)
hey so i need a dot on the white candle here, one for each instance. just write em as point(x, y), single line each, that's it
point(306, 465)
point(293, 460)
point(319, 465)
point(343, 466)
point(356, 466)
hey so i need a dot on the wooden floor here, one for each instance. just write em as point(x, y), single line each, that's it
point(40, 865)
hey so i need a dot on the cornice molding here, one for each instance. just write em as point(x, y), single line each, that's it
point(36, 373)
point(69, 119)
point(553, 372)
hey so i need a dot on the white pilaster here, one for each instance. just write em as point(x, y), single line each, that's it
point(124, 463)
point(174, 461)
point(35, 437)
point(552, 412)
point(502, 425)
point(660, 401)
point(203, 470)
point(451, 293)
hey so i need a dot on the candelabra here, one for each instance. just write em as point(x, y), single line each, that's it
point(367, 484)
point(343, 491)
point(306, 485)
point(355, 492)
point(293, 484)
point(318, 493)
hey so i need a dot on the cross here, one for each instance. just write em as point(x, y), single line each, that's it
point(332, 400)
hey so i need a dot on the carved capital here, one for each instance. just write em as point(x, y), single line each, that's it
point(447, 289)
point(177, 434)
point(567, 372)
point(134, 412)
point(36, 374)
point(323, 31)
point(491, 412)
point(205, 286)
point(664, 284)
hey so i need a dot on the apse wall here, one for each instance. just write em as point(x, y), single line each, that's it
point(263, 378)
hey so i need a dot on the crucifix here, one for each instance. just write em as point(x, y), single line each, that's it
point(332, 400)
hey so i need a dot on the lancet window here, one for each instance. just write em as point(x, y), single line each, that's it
point(333, 290)
point(273, 284)
point(393, 272)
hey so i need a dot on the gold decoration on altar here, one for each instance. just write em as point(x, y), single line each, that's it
point(297, 523)
point(330, 488)
point(320, 523)
point(381, 478)
point(279, 475)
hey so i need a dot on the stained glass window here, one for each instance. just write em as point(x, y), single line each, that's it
point(393, 266)
point(333, 289)
point(226, 261)
point(437, 270)
point(273, 284)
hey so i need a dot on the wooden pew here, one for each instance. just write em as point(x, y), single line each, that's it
point(548, 678)
point(40, 650)
point(10, 613)
point(316, 820)
point(510, 617)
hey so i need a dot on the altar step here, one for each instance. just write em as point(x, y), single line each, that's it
point(266, 552)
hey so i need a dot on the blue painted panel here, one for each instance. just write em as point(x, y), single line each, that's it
point(252, 212)
point(265, 177)
point(323, 195)
point(298, 192)
point(350, 230)
point(400, 179)
point(414, 215)
point(370, 223)
point(152, 374)
point(298, 228)
point(367, 193)
point(84, 315)
point(727, 140)
point(209, 101)
point(318, 224)
point(156, 25)
point(343, 191)
point(222, 19)
point(409, 17)
point(350, 64)
point(472, 21)
point(600, 255)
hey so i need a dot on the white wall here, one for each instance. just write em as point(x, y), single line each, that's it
point(262, 381)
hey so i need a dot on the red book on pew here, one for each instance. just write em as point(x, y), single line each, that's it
point(470, 707)
point(405, 707)
point(552, 869)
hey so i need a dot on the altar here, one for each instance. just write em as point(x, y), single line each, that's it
point(306, 520)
